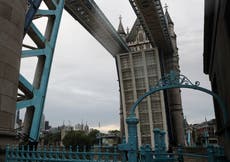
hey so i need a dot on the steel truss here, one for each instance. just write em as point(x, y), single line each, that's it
point(33, 94)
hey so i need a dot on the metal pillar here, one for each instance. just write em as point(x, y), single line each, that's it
point(132, 138)
point(33, 96)
point(131, 147)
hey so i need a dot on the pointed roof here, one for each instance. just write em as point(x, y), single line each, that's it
point(120, 29)
point(167, 16)
point(133, 32)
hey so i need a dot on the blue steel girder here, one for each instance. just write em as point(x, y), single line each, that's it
point(152, 18)
point(33, 6)
point(34, 93)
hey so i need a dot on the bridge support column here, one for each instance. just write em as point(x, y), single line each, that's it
point(171, 62)
point(177, 115)
point(174, 102)
point(12, 16)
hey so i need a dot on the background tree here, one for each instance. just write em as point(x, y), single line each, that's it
point(52, 139)
point(114, 132)
point(93, 136)
point(80, 139)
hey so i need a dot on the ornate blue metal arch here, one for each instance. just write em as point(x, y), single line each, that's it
point(169, 81)
point(176, 80)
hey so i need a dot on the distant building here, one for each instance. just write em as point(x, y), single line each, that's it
point(79, 126)
point(216, 60)
point(207, 131)
point(82, 127)
point(47, 126)
point(42, 126)
point(201, 134)
point(109, 140)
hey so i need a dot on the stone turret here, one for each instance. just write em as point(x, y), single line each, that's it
point(174, 96)
point(169, 21)
point(120, 29)
point(173, 37)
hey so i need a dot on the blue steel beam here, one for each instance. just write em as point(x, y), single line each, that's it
point(35, 93)
point(33, 7)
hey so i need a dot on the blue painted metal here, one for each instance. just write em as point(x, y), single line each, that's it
point(36, 92)
point(47, 154)
point(175, 80)
point(104, 154)
point(33, 7)
point(159, 140)
point(132, 138)
point(180, 154)
point(169, 81)
point(131, 146)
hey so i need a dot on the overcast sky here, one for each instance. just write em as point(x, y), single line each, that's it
point(83, 84)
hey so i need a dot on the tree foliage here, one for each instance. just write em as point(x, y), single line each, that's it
point(114, 132)
point(52, 139)
point(80, 139)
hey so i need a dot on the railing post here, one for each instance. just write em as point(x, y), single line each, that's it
point(142, 154)
point(180, 154)
point(148, 153)
point(132, 138)
point(156, 132)
point(211, 155)
point(115, 154)
point(157, 145)
point(123, 148)
point(162, 140)
point(7, 153)
point(131, 146)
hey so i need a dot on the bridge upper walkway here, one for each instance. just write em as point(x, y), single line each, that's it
point(151, 16)
point(89, 15)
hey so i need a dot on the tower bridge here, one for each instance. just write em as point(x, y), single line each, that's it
point(150, 15)
point(157, 26)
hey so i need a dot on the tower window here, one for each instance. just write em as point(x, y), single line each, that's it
point(140, 36)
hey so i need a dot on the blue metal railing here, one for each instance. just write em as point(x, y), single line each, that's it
point(47, 154)
point(126, 152)
point(107, 154)
point(214, 154)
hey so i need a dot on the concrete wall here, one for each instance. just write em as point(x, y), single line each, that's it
point(12, 16)
point(217, 42)
point(220, 76)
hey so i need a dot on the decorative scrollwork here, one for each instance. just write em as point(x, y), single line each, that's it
point(174, 78)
